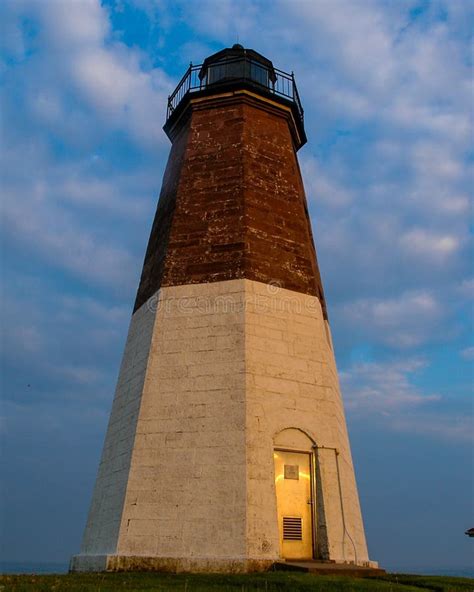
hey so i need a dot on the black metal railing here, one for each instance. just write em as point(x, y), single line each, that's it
point(242, 69)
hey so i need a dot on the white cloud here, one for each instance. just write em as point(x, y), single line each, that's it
point(322, 188)
point(113, 83)
point(45, 417)
point(419, 241)
point(72, 307)
point(404, 322)
point(224, 19)
point(386, 393)
point(72, 25)
point(468, 353)
point(77, 60)
point(76, 88)
point(60, 347)
point(445, 426)
point(24, 337)
point(466, 289)
point(435, 159)
point(54, 236)
point(82, 375)
point(383, 387)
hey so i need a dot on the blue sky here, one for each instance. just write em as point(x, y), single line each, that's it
point(386, 88)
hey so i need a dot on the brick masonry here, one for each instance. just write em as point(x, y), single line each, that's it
point(232, 204)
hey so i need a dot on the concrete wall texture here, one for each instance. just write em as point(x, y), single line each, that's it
point(211, 374)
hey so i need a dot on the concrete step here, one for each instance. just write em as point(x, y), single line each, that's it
point(325, 568)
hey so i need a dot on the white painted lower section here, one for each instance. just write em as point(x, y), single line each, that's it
point(291, 382)
point(105, 514)
point(206, 385)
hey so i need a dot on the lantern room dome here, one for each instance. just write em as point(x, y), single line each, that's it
point(236, 63)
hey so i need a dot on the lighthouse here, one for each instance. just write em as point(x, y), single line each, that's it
point(227, 446)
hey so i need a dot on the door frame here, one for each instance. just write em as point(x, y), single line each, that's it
point(312, 472)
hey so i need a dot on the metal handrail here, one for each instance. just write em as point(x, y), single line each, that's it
point(277, 82)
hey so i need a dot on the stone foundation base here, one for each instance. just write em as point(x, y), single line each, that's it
point(291, 562)
point(327, 568)
point(82, 563)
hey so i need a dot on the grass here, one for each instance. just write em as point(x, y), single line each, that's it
point(265, 582)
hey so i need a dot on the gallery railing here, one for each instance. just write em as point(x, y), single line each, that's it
point(239, 69)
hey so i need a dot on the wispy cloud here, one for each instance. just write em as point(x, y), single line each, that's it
point(387, 393)
point(449, 427)
point(468, 353)
point(407, 321)
point(79, 91)
point(384, 387)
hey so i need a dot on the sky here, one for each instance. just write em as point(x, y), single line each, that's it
point(386, 88)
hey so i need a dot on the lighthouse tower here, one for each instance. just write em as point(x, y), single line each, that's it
point(227, 446)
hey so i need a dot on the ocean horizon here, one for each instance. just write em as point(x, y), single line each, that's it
point(32, 567)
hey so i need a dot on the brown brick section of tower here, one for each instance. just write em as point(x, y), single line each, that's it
point(232, 203)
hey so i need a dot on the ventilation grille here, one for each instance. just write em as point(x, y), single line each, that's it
point(292, 529)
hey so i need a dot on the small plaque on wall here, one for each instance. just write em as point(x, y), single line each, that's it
point(292, 472)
